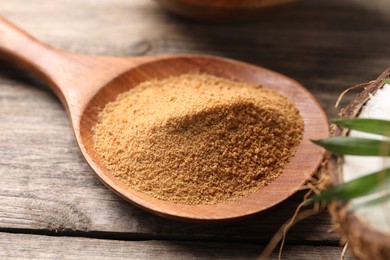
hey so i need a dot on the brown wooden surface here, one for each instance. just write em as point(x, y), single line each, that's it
point(47, 188)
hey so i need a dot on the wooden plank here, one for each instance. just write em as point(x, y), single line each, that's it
point(22, 246)
point(45, 183)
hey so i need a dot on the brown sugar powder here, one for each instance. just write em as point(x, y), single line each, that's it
point(197, 138)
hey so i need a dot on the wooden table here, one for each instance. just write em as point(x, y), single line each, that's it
point(53, 206)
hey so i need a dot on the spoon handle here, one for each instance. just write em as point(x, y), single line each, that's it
point(73, 77)
point(39, 58)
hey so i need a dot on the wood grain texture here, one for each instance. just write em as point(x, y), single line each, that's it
point(43, 247)
point(327, 45)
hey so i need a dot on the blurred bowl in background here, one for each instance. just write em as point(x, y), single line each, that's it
point(224, 10)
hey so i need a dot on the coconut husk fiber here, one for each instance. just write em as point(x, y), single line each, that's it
point(364, 241)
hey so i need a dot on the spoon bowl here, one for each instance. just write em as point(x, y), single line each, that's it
point(85, 84)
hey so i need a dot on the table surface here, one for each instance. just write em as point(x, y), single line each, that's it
point(53, 206)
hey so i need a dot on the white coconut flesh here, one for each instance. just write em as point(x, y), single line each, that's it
point(378, 107)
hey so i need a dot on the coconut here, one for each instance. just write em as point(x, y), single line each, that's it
point(366, 237)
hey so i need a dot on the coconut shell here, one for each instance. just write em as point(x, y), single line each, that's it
point(364, 241)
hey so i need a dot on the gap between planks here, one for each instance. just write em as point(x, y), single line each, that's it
point(147, 237)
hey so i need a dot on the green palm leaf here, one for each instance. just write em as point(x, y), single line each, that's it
point(365, 185)
point(373, 126)
point(355, 146)
point(355, 188)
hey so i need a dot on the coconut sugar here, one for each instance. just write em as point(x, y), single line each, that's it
point(197, 138)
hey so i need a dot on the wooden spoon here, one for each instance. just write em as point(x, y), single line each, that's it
point(85, 84)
